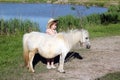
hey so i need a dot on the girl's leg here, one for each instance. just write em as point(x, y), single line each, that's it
point(52, 63)
point(48, 64)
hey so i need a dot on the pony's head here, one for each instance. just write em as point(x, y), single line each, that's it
point(84, 40)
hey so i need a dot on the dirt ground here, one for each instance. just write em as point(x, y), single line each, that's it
point(102, 58)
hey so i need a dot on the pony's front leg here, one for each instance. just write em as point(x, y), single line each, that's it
point(61, 63)
point(31, 56)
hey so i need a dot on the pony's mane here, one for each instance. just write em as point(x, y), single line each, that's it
point(70, 36)
point(70, 31)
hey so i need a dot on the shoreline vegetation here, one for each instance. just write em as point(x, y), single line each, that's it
point(102, 3)
point(17, 26)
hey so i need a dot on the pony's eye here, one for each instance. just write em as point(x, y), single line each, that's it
point(86, 38)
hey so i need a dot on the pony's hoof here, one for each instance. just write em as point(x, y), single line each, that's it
point(33, 71)
point(64, 72)
point(61, 71)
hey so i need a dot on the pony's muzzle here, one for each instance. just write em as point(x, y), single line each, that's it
point(88, 46)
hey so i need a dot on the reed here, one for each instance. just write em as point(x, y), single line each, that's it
point(17, 26)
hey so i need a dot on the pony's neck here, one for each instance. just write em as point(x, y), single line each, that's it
point(72, 38)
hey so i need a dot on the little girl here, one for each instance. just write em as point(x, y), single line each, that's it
point(51, 30)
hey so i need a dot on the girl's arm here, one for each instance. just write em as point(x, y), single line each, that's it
point(48, 31)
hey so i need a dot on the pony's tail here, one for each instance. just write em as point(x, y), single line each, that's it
point(25, 50)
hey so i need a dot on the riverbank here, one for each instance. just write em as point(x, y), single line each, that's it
point(103, 3)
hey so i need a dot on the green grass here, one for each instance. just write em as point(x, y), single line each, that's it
point(11, 60)
point(103, 30)
point(10, 52)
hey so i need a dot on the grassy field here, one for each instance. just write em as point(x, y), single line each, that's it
point(103, 30)
point(11, 60)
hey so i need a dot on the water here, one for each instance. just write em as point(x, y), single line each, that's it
point(41, 13)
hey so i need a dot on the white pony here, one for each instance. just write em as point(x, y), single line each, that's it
point(50, 46)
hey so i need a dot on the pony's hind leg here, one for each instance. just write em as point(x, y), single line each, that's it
point(31, 56)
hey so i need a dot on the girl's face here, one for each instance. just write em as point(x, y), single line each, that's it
point(53, 26)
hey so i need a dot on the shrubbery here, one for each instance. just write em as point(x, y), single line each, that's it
point(67, 22)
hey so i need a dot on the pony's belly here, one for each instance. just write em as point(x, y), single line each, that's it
point(48, 55)
point(48, 51)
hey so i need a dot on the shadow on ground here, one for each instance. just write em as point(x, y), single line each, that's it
point(69, 57)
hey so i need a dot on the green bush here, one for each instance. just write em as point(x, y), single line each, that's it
point(68, 22)
point(93, 19)
point(112, 16)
